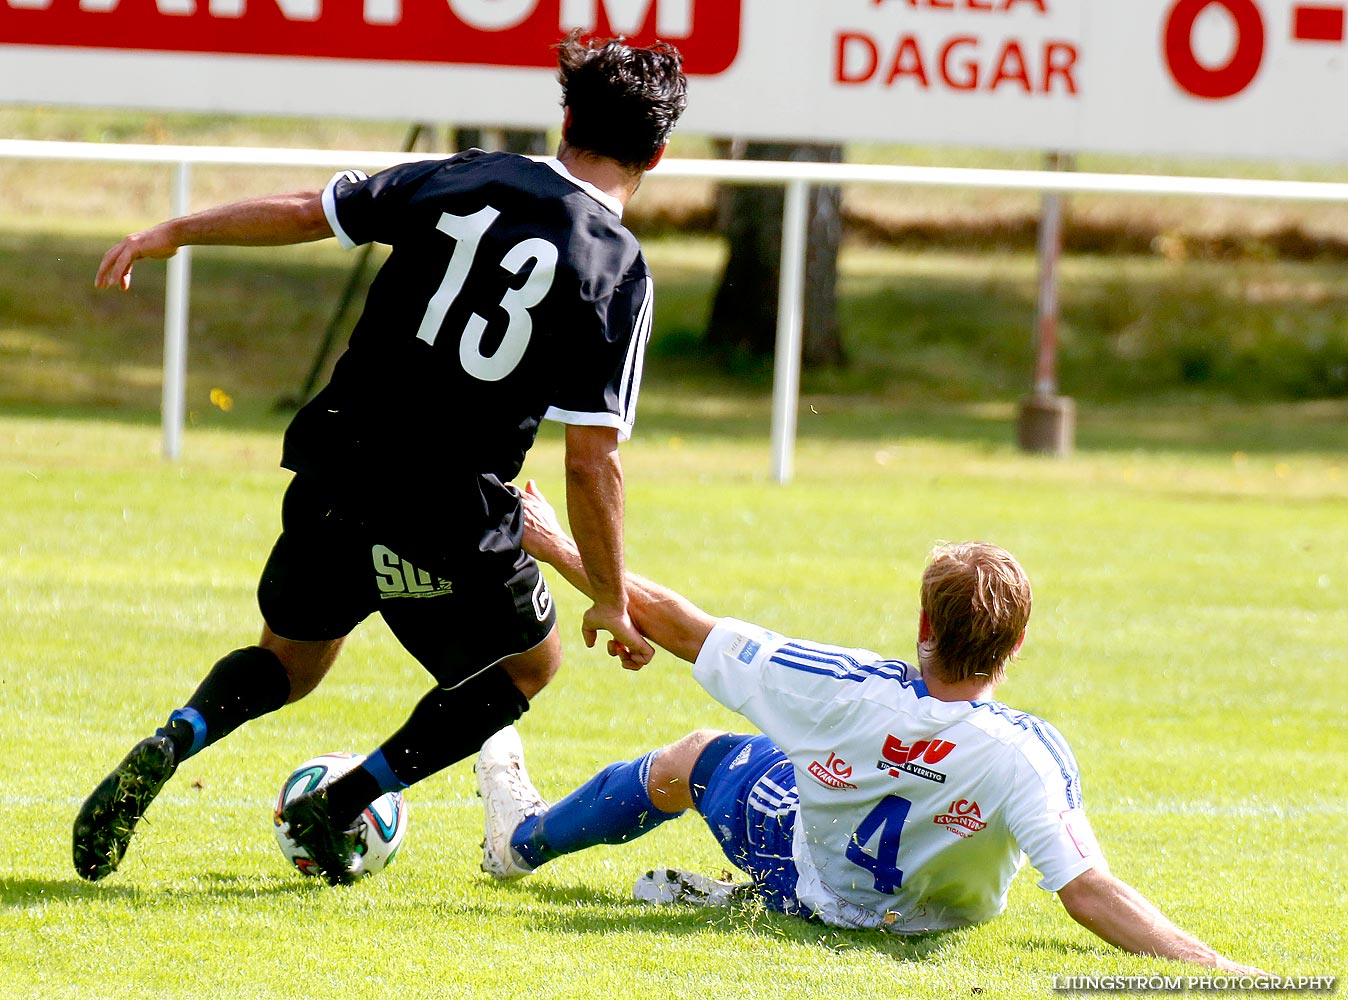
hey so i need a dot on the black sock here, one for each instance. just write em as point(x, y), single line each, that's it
point(181, 735)
point(243, 685)
point(350, 794)
point(447, 725)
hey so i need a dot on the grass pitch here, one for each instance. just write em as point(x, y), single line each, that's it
point(1189, 638)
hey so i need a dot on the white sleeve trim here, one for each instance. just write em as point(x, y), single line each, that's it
point(1065, 875)
point(330, 206)
point(623, 427)
point(724, 630)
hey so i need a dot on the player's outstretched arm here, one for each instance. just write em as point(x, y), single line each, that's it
point(594, 501)
point(272, 220)
point(1113, 910)
point(669, 620)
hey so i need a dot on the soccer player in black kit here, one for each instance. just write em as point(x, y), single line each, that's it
point(512, 294)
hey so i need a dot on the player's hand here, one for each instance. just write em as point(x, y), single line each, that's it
point(627, 644)
point(1226, 965)
point(544, 536)
point(115, 269)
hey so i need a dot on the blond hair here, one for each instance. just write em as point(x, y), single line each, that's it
point(977, 600)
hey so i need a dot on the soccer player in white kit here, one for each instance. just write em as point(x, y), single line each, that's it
point(882, 794)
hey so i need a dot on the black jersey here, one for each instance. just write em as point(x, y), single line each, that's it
point(512, 293)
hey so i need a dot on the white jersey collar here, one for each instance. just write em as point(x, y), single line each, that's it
point(607, 200)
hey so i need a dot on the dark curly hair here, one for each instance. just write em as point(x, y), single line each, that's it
point(624, 101)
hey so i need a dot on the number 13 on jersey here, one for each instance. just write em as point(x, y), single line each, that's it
point(467, 232)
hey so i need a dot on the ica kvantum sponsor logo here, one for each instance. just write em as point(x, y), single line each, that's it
point(963, 818)
point(834, 772)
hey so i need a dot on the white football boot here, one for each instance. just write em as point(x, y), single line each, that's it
point(508, 799)
point(666, 886)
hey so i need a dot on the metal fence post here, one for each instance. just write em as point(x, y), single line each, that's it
point(790, 330)
point(1046, 421)
point(175, 325)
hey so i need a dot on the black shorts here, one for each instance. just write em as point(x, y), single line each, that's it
point(329, 571)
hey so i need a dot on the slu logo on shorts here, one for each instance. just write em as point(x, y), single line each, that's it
point(396, 577)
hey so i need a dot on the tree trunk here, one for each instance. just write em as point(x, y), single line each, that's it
point(744, 312)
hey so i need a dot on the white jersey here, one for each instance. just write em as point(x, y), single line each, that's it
point(913, 812)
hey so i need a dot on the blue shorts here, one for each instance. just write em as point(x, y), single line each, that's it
point(745, 789)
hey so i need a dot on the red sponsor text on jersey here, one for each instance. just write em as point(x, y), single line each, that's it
point(964, 818)
point(929, 751)
point(899, 758)
point(516, 33)
point(834, 772)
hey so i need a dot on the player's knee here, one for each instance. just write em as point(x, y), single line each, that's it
point(670, 782)
point(532, 670)
point(305, 663)
point(698, 740)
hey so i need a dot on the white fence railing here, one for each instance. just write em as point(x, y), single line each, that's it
point(797, 178)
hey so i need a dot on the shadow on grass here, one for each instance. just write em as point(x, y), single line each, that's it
point(1050, 947)
point(691, 413)
point(930, 359)
point(22, 893)
point(571, 909)
point(1198, 425)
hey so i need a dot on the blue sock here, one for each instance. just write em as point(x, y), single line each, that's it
point(379, 766)
point(611, 808)
point(188, 731)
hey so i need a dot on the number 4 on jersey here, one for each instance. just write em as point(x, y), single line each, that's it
point(467, 232)
point(885, 820)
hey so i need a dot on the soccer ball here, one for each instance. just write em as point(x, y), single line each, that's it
point(381, 826)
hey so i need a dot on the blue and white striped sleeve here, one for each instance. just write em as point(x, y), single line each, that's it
point(1045, 812)
point(786, 686)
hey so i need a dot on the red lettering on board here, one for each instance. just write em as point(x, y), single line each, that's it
point(1317, 24)
point(983, 6)
point(1011, 68)
point(964, 63)
point(853, 52)
point(517, 33)
point(1220, 82)
point(907, 62)
point(968, 75)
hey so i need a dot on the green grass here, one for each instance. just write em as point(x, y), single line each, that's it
point(1189, 638)
point(953, 329)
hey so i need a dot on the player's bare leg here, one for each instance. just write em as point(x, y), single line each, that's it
point(532, 670)
point(669, 784)
point(306, 663)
